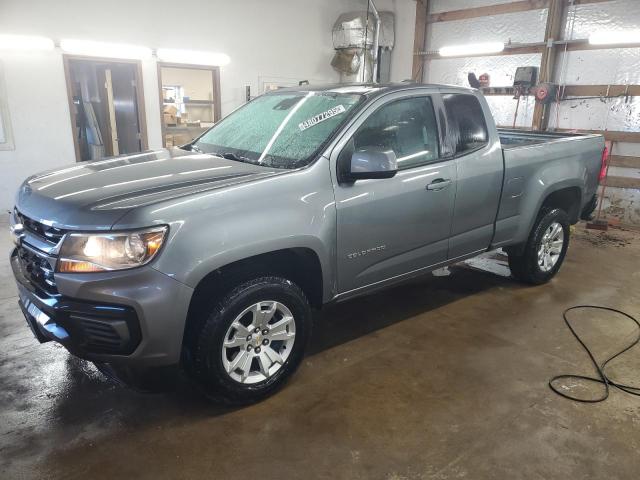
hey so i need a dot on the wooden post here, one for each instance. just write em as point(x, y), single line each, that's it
point(547, 64)
point(419, 35)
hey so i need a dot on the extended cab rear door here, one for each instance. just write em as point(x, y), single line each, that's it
point(471, 139)
point(388, 228)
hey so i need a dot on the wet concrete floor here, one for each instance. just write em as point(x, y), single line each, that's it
point(445, 377)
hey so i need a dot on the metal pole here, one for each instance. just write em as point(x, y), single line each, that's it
point(376, 41)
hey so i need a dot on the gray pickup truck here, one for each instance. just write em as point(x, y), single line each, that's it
point(211, 256)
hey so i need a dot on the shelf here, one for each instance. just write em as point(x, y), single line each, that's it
point(191, 102)
point(184, 129)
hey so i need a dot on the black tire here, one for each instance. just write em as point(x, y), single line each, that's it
point(205, 341)
point(524, 266)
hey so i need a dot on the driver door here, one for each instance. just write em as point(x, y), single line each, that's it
point(387, 228)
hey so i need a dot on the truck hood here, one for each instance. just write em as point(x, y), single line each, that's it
point(94, 195)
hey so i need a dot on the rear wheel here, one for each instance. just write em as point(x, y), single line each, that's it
point(251, 341)
point(545, 249)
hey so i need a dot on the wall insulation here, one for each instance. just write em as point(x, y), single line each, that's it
point(595, 67)
point(502, 28)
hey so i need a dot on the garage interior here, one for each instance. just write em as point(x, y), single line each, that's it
point(444, 376)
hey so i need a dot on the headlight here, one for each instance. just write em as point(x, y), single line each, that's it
point(88, 252)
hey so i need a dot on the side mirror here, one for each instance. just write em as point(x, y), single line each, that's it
point(372, 162)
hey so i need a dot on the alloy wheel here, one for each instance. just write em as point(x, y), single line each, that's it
point(550, 247)
point(258, 342)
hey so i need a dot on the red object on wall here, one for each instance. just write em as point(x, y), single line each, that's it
point(484, 80)
point(603, 165)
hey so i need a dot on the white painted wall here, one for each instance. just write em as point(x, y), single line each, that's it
point(279, 40)
point(405, 21)
point(39, 111)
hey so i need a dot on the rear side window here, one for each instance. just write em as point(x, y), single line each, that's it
point(467, 128)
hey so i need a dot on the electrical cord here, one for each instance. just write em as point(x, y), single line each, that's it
point(602, 378)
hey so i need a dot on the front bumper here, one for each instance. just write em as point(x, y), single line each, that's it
point(133, 318)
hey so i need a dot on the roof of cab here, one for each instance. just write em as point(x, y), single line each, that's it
point(369, 89)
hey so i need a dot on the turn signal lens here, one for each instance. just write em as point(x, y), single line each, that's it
point(83, 252)
point(73, 266)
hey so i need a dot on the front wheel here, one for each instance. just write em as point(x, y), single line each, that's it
point(545, 250)
point(251, 342)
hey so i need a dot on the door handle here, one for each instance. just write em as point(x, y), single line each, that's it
point(439, 184)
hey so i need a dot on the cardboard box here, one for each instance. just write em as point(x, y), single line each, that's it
point(170, 109)
point(181, 138)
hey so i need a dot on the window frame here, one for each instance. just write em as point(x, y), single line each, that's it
point(216, 101)
point(438, 114)
point(445, 146)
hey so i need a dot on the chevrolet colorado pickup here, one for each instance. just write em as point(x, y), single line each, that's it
point(210, 256)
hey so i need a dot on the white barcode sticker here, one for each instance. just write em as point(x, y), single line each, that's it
point(321, 117)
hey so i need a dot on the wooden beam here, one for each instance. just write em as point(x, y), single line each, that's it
point(499, 9)
point(547, 63)
point(622, 182)
point(497, 91)
point(419, 36)
point(624, 161)
point(508, 50)
point(601, 90)
point(612, 135)
point(462, 14)
point(585, 2)
point(605, 91)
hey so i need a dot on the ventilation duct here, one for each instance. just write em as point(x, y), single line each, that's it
point(354, 40)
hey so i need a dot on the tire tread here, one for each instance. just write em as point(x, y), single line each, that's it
point(221, 390)
point(524, 266)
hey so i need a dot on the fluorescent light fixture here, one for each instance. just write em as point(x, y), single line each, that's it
point(103, 49)
point(193, 56)
point(25, 43)
point(471, 49)
point(611, 37)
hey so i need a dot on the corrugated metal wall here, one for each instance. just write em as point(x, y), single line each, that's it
point(587, 67)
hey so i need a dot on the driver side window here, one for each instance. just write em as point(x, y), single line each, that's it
point(407, 126)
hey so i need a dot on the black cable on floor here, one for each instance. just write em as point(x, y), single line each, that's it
point(602, 378)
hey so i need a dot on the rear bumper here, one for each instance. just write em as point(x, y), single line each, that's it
point(589, 208)
point(132, 318)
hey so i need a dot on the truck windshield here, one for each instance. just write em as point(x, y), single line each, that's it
point(282, 130)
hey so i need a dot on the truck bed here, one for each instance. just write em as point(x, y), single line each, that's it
point(512, 138)
point(536, 164)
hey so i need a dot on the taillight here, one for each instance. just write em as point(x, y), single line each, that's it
point(603, 165)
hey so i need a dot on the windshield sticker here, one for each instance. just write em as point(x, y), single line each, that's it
point(321, 117)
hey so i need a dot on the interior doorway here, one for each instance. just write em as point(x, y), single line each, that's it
point(189, 101)
point(107, 107)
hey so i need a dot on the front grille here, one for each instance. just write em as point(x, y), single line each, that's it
point(45, 232)
point(37, 269)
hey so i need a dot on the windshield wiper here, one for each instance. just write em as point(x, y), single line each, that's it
point(191, 147)
point(232, 156)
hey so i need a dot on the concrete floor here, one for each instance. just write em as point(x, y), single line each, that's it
point(442, 378)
